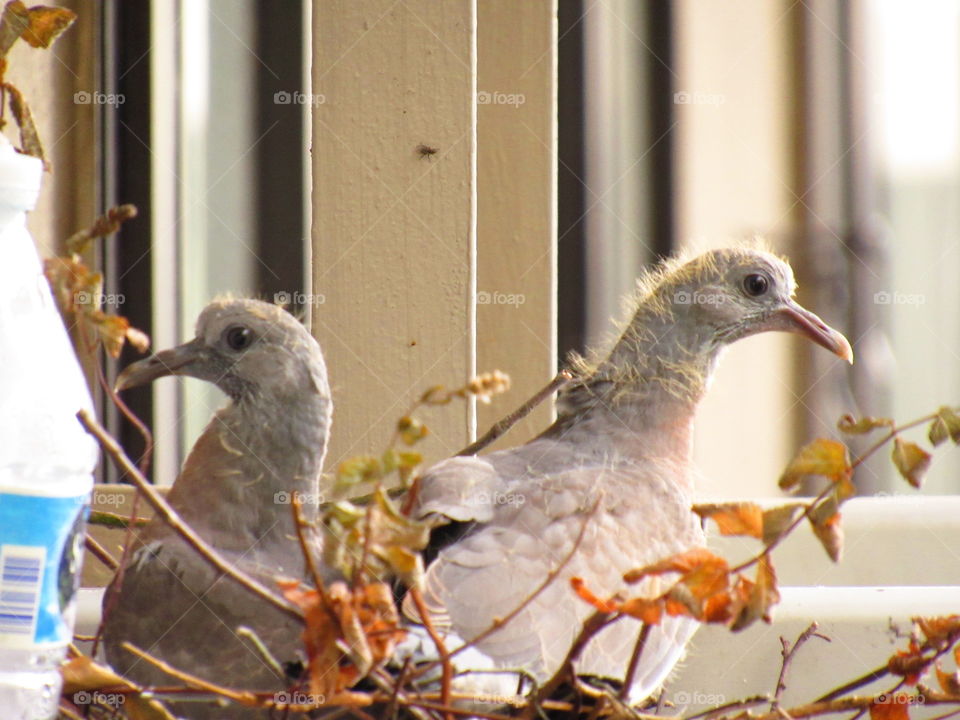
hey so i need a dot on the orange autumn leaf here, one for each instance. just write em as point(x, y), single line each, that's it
point(761, 597)
point(584, 593)
point(683, 562)
point(648, 611)
point(702, 582)
point(777, 520)
point(737, 518)
point(890, 708)
point(949, 682)
point(909, 663)
point(939, 629)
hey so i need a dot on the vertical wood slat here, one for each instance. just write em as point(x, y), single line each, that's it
point(394, 229)
point(516, 178)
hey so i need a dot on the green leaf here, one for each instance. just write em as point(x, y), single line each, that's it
point(911, 460)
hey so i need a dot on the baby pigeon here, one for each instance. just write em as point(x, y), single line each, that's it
point(234, 490)
point(616, 466)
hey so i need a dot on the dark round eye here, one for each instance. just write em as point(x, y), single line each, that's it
point(755, 284)
point(238, 337)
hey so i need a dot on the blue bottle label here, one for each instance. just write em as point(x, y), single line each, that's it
point(41, 543)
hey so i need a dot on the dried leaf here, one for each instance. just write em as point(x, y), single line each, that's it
point(828, 458)
point(46, 24)
point(739, 518)
point(909, 663)
point(763, 595)
point(684, 562)
point(704, 581)
point(949, 682)
point(139, 339)
point(648, 611)
point(411, 430)
point(776, 521)
point(436, 395)
point(29, 138)
point(911, 460)
point(825, 521)
point(585, 594)
point(83, 675)
point(14, 21)
point(889, 709)
point(945, 425)
point(940, 629)
point(852, 426)
point(112, 330)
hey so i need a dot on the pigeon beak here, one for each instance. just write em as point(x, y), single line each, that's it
point(167, 362)
point(794, 318)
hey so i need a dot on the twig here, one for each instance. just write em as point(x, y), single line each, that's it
point(870, 677)
point(634, 662)
point(67, 712)
point(452, 710)
point(788, 652)
point(100, 553)
point(299, 523)
point(262, 650)
point(500, 427)
point(591, 626)
point(241, 697)
point(107, 519)
point(447, 670)
point(735, 705)
point(170, 516)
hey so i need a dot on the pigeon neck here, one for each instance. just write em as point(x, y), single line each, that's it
point(248, 463)
point(650, 384)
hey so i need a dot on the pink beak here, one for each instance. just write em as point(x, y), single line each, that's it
point(794, 318)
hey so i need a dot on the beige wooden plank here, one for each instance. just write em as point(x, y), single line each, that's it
point(516, 179)
point(393, 229)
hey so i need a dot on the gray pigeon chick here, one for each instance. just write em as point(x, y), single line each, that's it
point(234, 490)
point(617, 462)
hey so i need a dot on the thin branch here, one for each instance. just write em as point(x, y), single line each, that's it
point(447, 670)
point(735, 705)
point(299, 523)
point(634, 662)
point(788, 652)
point(170, 516)
point(242, 697)
point(500, 427)
point(591, 626)
point(100, 553)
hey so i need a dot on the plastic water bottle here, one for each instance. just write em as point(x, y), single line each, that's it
point(46, 462)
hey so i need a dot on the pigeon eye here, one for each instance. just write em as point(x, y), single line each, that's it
point(238, 337)
point(755, 284)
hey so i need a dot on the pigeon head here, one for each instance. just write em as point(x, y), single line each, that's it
point(732, 293)
point(247, 348)
point(685, 313)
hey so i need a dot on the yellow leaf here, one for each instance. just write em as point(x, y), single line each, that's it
point(828, 458)
point(911, 460)
point(739, 518)
point(945, 425)
point(777, 520)
point(852, 426)
point(46, 24)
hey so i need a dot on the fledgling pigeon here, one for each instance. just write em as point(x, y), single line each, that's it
point(621, 449)
point(235, 491)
